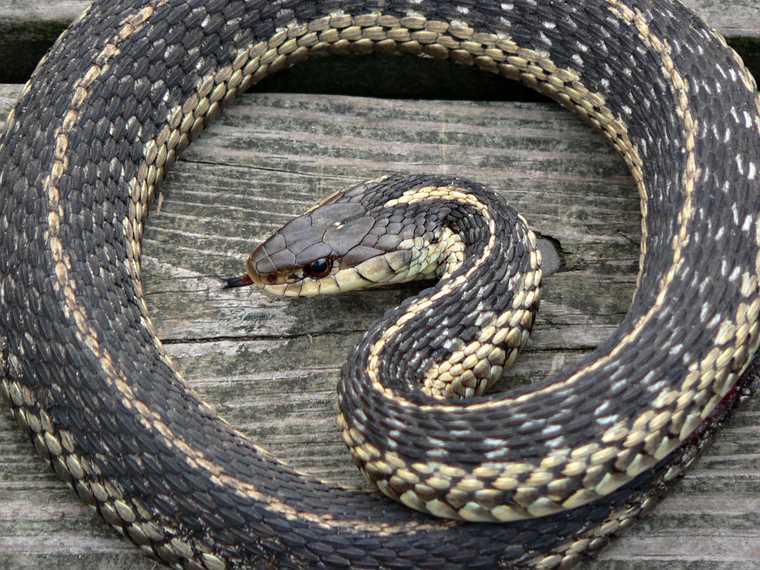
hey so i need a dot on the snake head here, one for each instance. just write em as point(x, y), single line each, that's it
point(326, 250)
point(349, 241)
point(311, 254)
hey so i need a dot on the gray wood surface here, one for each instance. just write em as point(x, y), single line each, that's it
point(42, 10)
point(271, 365)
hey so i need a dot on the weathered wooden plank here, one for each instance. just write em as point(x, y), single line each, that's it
point(270, 365)
point(735, 18)
point(43, 11)
point(29, 27)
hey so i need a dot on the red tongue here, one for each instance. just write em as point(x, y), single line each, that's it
point(234, 282)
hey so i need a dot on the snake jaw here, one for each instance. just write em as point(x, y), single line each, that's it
point(235, 282)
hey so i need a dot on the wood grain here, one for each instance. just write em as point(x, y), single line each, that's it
point(270, 365)
point(42, 10)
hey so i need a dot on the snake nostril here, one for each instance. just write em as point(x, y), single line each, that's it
point(272, 278)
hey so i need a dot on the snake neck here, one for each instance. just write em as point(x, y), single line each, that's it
point(454, 340)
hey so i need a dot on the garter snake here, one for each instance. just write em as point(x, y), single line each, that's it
point(562, 463)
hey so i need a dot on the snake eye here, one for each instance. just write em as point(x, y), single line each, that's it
point(319, 268)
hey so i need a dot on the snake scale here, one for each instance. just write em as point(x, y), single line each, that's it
point(563, 463)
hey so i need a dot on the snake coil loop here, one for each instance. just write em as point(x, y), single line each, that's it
point(562, 463)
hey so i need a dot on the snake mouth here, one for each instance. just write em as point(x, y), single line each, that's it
point(271, 280)
point(275, 284)
point(235, 282)
point(265, 282)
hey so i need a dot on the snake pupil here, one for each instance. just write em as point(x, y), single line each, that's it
point(319, 268)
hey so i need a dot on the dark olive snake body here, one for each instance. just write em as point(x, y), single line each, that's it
point(562, 463)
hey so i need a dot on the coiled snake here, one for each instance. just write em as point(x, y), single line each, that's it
point(562, 463)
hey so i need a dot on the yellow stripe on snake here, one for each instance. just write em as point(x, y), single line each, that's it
point(560, 465)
